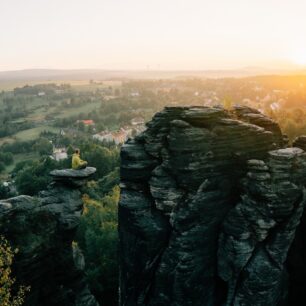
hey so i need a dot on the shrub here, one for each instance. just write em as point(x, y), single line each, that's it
point(7, 298)
point(98, 238)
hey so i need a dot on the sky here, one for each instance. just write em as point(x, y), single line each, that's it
point(152, 34)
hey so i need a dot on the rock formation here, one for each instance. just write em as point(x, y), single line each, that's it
point(210, 203)
point(43, 228)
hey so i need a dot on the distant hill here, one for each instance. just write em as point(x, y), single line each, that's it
point(86, 74)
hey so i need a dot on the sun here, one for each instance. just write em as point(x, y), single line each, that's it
point(299, 57)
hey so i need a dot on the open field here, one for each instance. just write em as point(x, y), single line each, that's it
point(21, 157)
point(86, 86)
point(79, 85)
point(34, 133)
point(81, 109)
point(40, 113)
point(6, 140)
point(18, 158)
point(29, 134)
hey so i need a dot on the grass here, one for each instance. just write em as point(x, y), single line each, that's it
point(32, 134)
point(21, 157)
point(18, 158)
point(29, 134)
point(39, 114)
point(10, 85)
point(6, 140)
point(85, 86)
point(75, 111)
point(80, 85)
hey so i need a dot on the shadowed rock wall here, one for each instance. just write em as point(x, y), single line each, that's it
point(209, 206)
point(43, 228)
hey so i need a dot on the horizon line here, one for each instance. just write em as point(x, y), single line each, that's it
point(156, 70)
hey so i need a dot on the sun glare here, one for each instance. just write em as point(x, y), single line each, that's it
point(299, 57)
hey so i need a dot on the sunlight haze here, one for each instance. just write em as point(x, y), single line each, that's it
point(156, 35)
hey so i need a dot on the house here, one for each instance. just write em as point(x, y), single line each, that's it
point(59, 91)
point(117, 137)
point(59, 154)
point(138, 129)
point(267, 98)
point(87, 122)
point(274, 106)
point(104, 136)
point(134, 94)
point(137, 121)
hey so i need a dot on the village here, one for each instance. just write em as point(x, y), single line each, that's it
point(118, 137)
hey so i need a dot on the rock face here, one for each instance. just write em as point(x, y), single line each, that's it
point(43, 228)
point(210, 204)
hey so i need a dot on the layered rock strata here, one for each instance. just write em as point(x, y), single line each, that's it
point(43, 228)
point(210, 203)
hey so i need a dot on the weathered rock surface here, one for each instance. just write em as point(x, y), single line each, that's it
point(43, 228)
point(300, 142)
point(210, 204)
point(73, 174)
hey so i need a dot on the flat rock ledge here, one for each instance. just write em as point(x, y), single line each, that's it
point(71, 173)
point(71, 177)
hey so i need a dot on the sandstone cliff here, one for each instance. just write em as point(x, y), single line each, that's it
point(211, 202)
point(43, 228)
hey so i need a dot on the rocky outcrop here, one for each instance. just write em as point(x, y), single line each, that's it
point(296, 263)
point(300, 142)
point(210, 204)
point(43, 228)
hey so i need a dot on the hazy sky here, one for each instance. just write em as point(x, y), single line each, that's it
point(154, 34)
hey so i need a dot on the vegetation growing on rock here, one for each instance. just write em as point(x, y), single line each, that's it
point(7, 281)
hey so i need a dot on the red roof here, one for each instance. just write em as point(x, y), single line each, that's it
point(88, 122)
